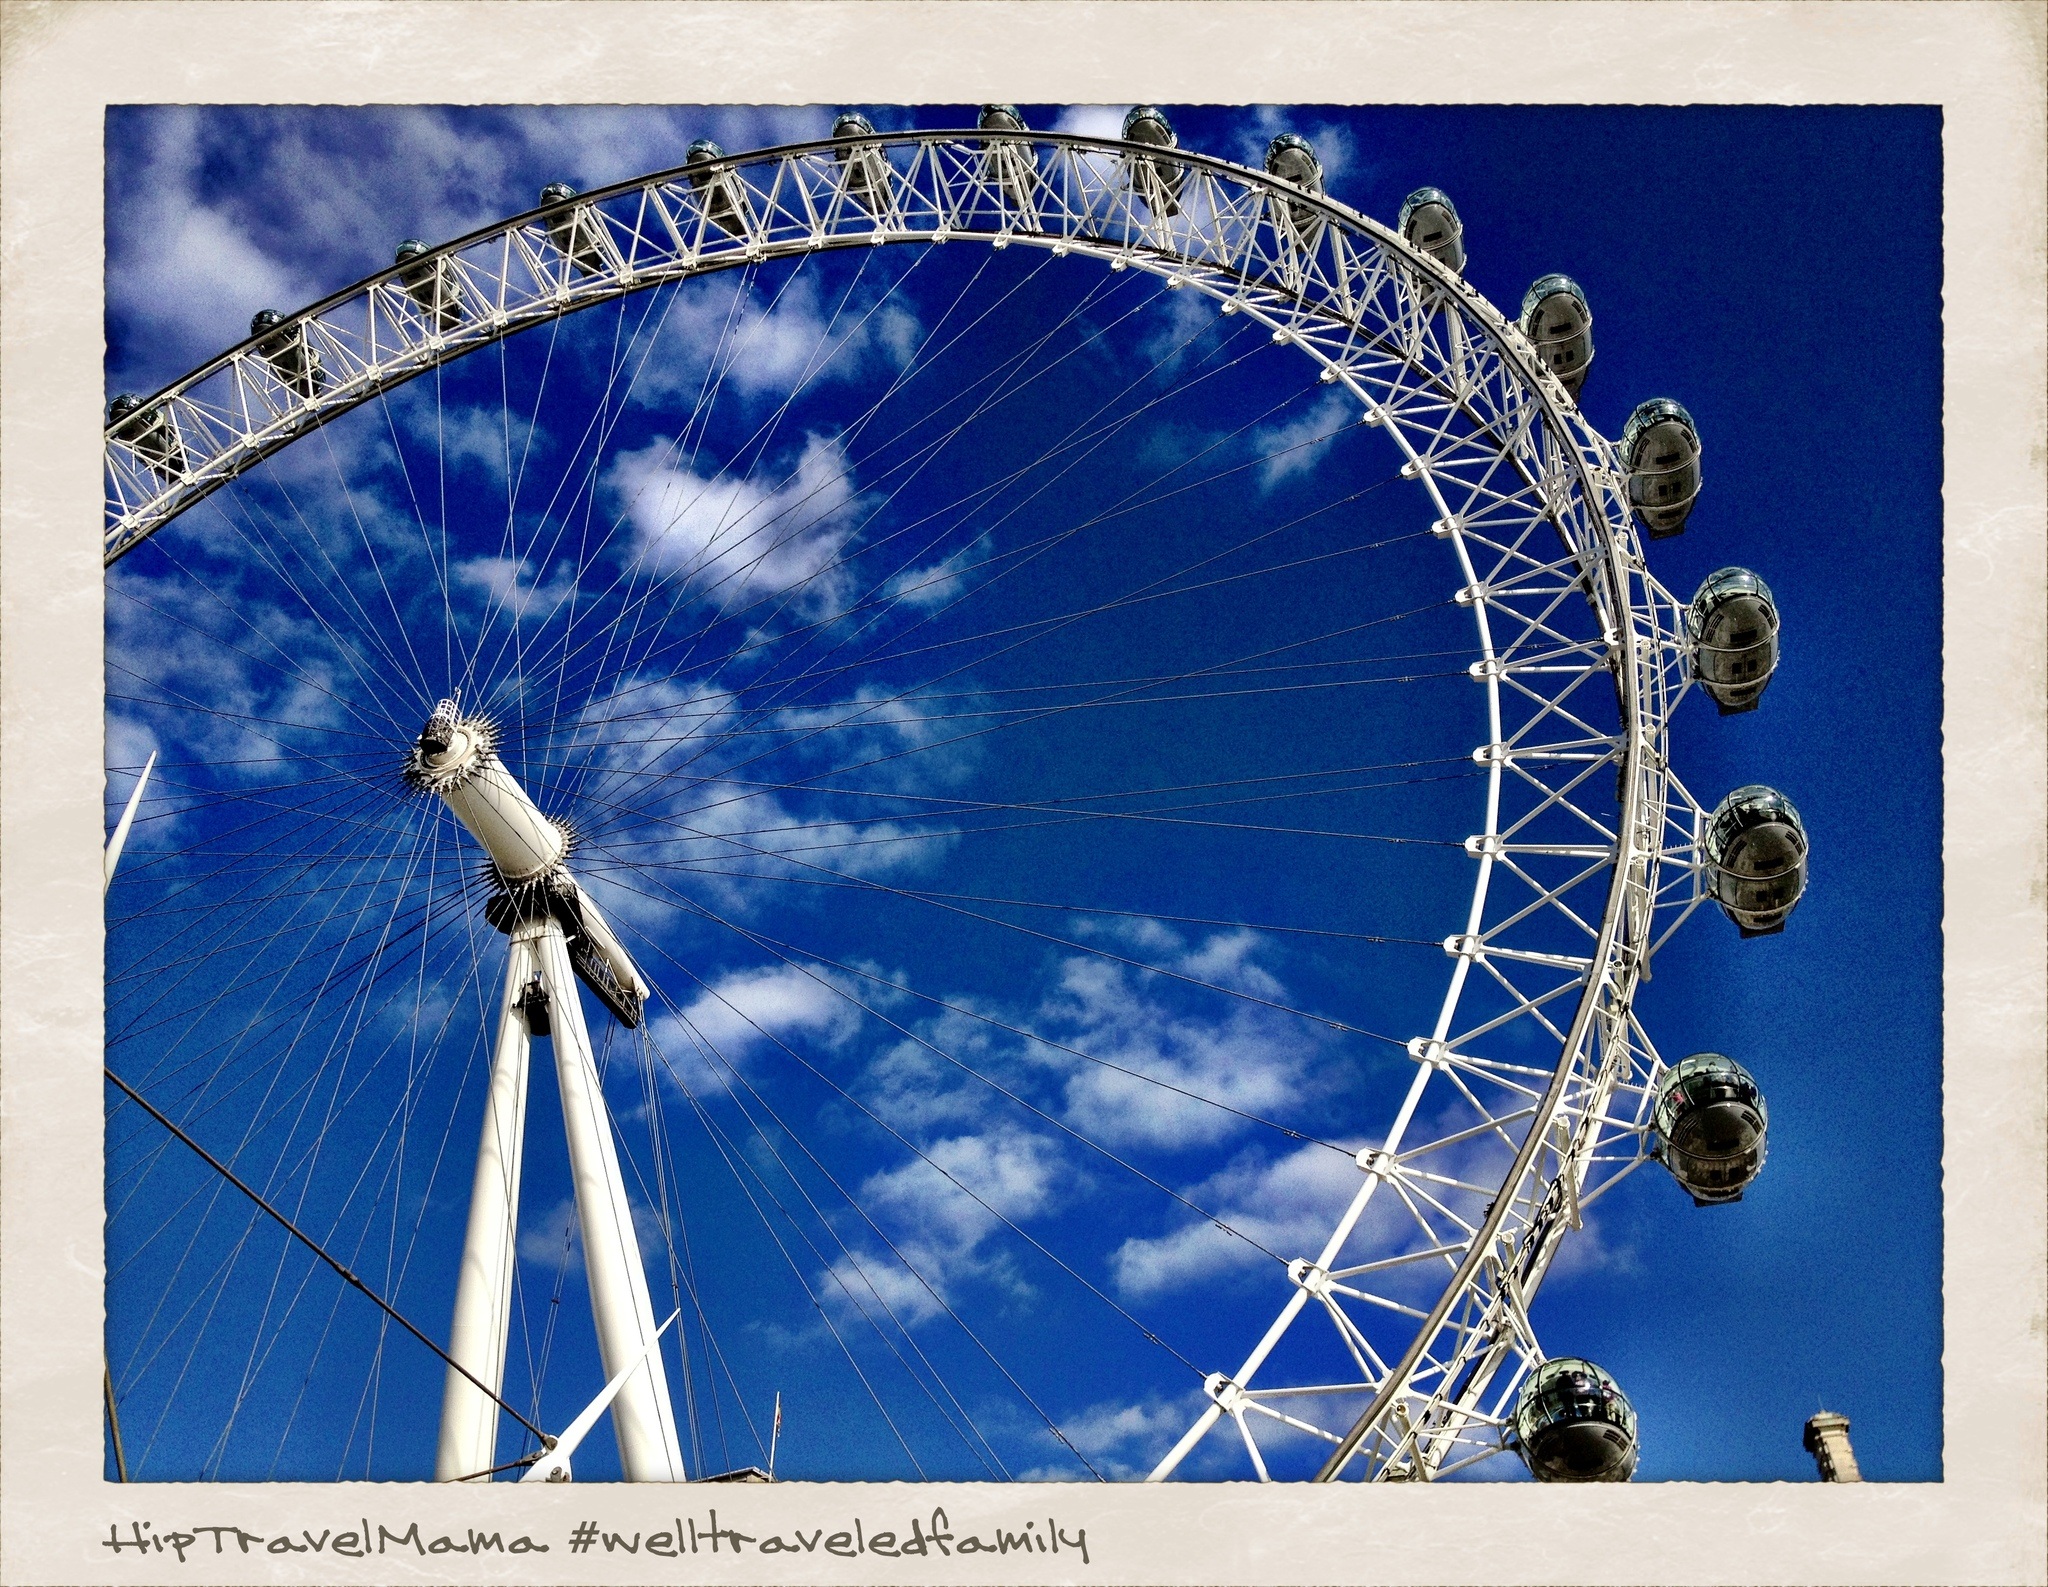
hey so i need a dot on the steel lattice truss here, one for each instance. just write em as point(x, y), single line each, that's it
point(1532, 1093)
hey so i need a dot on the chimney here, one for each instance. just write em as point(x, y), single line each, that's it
point(1827, 1436)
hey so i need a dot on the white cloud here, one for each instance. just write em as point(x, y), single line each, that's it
point(481, 438)
point(939, 1210)
point(747, 1010)
point(323, 195)
point(918, 1091)
point(1176, 327)
point(1334, 146)
point(1225, 959)
point(913, 749)
point(511, 584)
point(129, 744)
point(735, 537)
point(767, 340)
point(1293, 447)
point(1590, 1249)
point(187, 273)
point(548, 1237)
point(1250, 1058)
point(1289, 1205)
point(1121, 1439)
point(863, 1281)
point(268, 676)
point(1092, 121)
point(938, 582)
point(1012, 1171)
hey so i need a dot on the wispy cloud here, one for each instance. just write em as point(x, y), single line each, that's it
point(1335, 146)
point(753, 342)
point(1297, 445)
point(515, 585)
point(737, 536)
point(941, 1209)
point(181, 267)
point(215, 214)
point(1121, 1438)
point(1172, 1060)
point(746, 1012)
point(1288, 1204)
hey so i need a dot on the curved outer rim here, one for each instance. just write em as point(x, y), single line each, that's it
point(1638, 628)
point(130, 528)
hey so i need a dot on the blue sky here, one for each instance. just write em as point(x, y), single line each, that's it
point(852, 1110)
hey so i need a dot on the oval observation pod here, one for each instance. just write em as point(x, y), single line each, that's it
point(1756, 858)
point(295, 363)
point(435, 287)
point(1013, 167)
point(1733, 626)
point(150, 434)
point(1429, 221)
point(1292, 158)
point(1559, 322)
point(725, 206)
point(575, 230)
point(1660, 448)
point(866, 167)
point(1572, 1423)
point(1708, 1126)
point(1158, 181)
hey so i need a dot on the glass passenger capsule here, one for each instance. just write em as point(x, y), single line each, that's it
point(1013, 166)
point(725, 205)
point(866, 167)
point(1756, 858)
point(1429, 221)
point(575, 230)
point(1733, 625)
point(151, 434)
point(434, 286)
point(1572, 1423)
point(296, 363)
point(1660, 448)
point(1292, 158)
point(1708, 1126)
point(1558, 321)
point(1158, 181)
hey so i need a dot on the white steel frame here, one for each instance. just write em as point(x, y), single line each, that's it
point(643, 1416)
point(1583, 656)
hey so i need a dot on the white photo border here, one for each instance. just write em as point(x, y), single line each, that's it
point(1982, 63)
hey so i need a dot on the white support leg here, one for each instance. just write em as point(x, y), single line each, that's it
point(483, 1290)
point(642, 1416)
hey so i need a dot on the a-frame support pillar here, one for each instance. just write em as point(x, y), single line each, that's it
point(541, 997)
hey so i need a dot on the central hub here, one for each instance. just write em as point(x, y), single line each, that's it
point(451, 749)
point(456, 759)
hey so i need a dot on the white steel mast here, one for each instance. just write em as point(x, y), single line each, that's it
point(555, 934)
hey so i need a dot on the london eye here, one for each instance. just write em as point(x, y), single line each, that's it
point(1024, 718)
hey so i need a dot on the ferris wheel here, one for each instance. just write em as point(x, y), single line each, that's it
point(792, 696)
